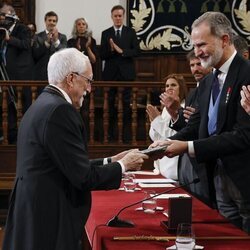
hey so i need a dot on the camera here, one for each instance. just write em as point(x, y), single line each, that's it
point(6, 23)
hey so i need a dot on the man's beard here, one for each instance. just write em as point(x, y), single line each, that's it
point(213, 60)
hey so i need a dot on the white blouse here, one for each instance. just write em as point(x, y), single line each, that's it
point(160, 130)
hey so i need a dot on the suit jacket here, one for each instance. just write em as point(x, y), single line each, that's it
point(19, 61)
point(42, 54)
point(188, 168)
point(115, 63)
point(190, 101)
point(51, 199)
point(232, 143)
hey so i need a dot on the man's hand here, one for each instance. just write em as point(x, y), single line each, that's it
point(152, 112)
point(245, 98)
point(174, 147)
point(55, 35)
point(187, 112)
point(119, 156)
point(133, 160)
point(115, 47)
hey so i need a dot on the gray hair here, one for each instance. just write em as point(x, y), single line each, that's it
point(64, 62)
point(88, 32)
point(218, 22)
point(240, 44)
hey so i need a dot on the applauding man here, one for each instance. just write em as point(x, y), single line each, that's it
point(46, 43)
point(119, 45)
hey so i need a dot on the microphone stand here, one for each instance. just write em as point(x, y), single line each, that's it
point(117, 222)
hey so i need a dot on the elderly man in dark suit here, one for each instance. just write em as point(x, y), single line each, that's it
point(119, 45)
point(46, 43)
point(218, 133)
point(51, 199)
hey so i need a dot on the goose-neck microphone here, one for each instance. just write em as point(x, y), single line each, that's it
point(117, 222)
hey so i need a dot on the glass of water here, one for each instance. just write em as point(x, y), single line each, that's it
point(185, 239)
point(149, 206)
point(129, 182)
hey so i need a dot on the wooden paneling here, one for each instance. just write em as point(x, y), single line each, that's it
point(154, 67)
point(25, 9)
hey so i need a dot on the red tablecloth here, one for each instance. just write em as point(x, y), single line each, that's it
point(106, 204)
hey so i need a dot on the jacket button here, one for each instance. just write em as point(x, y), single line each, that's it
point(21, 178)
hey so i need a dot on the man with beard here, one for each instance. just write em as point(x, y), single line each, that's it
point(188, 168)
point(218, 133)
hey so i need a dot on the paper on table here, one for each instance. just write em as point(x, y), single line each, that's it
point(162, 180)
point(144, 172)
point(167, 196)
point(155, 185)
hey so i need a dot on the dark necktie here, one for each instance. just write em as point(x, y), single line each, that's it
point(215, 86)
point(118, 35)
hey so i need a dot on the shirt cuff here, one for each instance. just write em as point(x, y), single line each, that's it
point(105, 161)
point(122, 167)
point(191, 151)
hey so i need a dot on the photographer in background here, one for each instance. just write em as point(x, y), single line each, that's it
point(16, 58)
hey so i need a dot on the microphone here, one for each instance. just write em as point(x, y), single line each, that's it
point(117, 222)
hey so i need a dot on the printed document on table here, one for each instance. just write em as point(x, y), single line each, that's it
point(144, 172)
point(155, 185)
point(167, 196)
point(155, 180)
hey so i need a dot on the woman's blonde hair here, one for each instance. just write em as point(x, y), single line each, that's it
point(74, 33)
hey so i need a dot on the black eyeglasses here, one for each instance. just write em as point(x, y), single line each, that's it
point(90, 81)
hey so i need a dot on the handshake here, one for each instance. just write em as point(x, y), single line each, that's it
point(133, 159)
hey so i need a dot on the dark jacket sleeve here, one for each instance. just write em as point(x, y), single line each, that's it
point(63, 138)
point(134, 49)
point(105, 49)
point(20, 37)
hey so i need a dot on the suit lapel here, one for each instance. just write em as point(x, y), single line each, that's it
point(229, 85)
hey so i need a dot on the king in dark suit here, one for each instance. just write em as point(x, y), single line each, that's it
point(218, 134)
point(119, 45)
point(51, 199)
